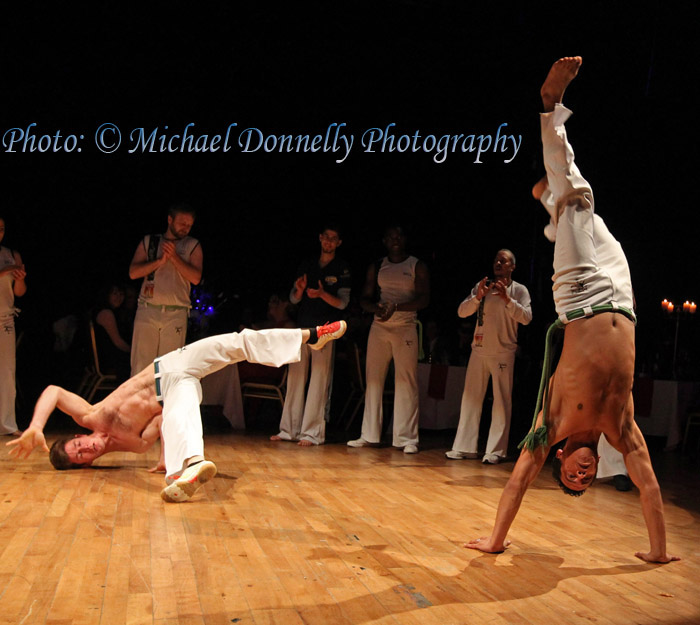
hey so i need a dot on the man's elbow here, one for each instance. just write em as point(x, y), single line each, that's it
point(343, 299)
point(648, 489)
point(517, 485)
point(468, 307)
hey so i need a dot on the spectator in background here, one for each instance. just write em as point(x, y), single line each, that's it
point(12, 284)
point(168, 263)
point(396, 288)
point(278, 316)
point(112, 349)
point(501, 304)
point(322, 291)
point(127, 311)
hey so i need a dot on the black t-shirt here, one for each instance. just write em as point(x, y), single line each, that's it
point(334, 276)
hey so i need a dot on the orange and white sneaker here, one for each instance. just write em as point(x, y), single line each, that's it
point(183, 487)
point(328, 332)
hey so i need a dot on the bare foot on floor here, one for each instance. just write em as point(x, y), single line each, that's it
point(275, 438)
point(305, 443)
point(560, 75)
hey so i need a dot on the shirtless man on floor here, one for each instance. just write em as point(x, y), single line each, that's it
point(163, 400)
point(591, 389)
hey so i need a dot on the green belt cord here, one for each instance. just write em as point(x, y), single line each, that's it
point(538, 435)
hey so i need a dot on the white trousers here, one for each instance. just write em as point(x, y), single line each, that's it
point(479, 370)
point(590, 267)
point(157, 331)
point(8, 422)
point(179, 372)
point(585, 253)
point(304, 413)
point(384, 343)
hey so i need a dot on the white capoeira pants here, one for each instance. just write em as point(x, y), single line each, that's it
point(480, 368)
point(399, 342)
point(8, 422)
point(590, 267)
point(157, 331)
point(178, 376)
point(304, 413)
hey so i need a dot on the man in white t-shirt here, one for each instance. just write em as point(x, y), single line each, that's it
point(396, 288)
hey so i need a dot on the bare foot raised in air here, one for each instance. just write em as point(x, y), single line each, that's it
point(560, 75)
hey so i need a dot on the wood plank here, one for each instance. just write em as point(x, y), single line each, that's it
point(331, 535)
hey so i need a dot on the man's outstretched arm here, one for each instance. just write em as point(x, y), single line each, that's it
point(53, 397)
point(526, 469)
point(641, 472)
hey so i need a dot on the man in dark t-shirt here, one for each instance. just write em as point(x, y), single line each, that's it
point(322, 291)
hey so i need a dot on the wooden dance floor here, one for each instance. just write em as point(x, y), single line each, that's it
point(331, 536)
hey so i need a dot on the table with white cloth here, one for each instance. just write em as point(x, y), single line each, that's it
point(223, 388)
point(661, 406)
point(440, 391)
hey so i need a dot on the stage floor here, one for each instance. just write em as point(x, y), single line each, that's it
point(332, 535)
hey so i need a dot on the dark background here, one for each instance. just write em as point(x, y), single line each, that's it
point(443, 67)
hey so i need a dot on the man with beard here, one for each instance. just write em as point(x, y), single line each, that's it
point(168, 264)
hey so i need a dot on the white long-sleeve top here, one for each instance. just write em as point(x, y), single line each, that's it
point(499, 332)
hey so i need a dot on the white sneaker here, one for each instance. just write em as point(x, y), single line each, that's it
point(184, 486)
point(410, 449)
point(360, 442)
point(491, 459)
point(461, 455)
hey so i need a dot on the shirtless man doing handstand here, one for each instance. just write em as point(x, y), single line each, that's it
point(163, 400)
point(591, 390)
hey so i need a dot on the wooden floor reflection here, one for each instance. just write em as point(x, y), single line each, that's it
point(333, 535)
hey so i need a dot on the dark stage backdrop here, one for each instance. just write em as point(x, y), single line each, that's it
point(432, 68)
